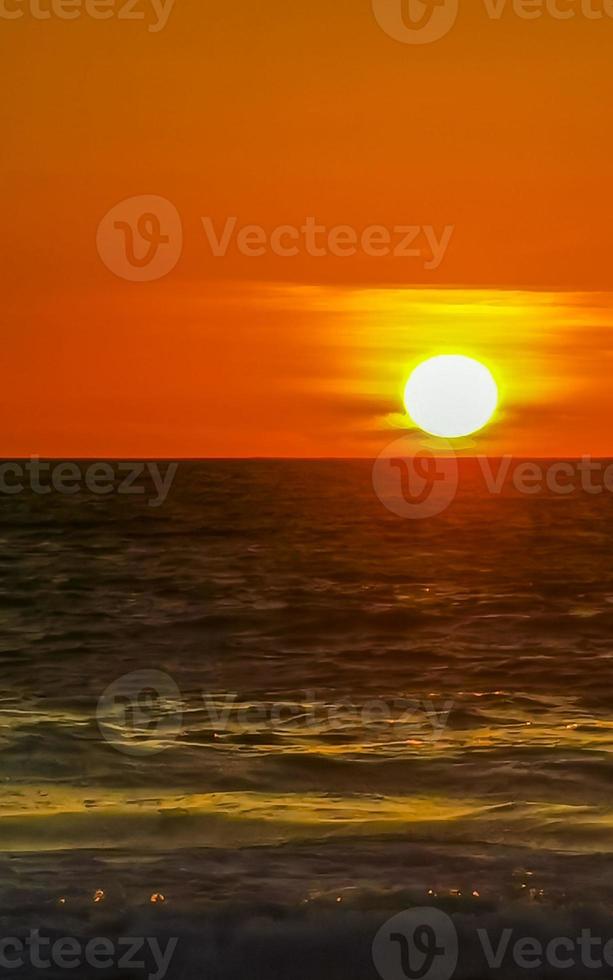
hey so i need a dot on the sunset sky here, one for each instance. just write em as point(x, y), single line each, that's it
point(272, 113)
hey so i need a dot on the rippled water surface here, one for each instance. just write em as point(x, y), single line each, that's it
point(359, 708)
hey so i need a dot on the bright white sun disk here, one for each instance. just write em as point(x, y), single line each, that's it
point(451, 396)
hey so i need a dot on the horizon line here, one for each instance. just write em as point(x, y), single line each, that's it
point(282, 459)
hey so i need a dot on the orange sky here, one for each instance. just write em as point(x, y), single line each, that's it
point(272, 113)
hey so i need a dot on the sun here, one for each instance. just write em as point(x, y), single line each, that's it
point(451, 396)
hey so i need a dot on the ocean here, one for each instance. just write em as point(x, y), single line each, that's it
point(267, 714)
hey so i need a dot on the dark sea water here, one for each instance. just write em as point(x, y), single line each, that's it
point(355, 714)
